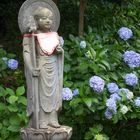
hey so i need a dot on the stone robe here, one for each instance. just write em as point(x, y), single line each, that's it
point(50, 79)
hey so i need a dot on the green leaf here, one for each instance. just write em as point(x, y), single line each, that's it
point(102, 53)
point(92, 53)
point(114, 76)
point(88, 135)
point(13, 99)
point(14, 120)
point(14, 128)
point(75, 101)
point(102, 66)
point(98, 137)
point(88, 101)
point(95, 100)
point(4, 133)
point(2, 106)
point(2, 91)
point(20, 91)
point(13, 108)
point(79, 112)
point(10, 91)
point(5, 122)
point(68, 83)
point(0, 126)
point(22, 100)
point(106, 64)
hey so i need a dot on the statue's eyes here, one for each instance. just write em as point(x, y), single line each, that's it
point(44, 18)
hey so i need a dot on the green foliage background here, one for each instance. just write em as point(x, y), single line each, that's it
point(85, 113)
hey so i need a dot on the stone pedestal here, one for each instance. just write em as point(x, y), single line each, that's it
point(62, 133)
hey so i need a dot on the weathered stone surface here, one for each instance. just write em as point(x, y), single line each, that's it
point(62, 133)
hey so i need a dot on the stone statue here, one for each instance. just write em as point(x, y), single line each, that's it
point(48, 70)
point(43, 58)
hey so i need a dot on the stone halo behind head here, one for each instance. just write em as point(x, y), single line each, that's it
point(27, 10)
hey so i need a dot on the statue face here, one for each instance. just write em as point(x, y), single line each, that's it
point(45, 20)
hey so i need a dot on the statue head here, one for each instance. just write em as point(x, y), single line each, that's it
point(43, 18)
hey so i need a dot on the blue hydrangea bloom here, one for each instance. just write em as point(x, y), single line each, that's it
point(137, 102)
point(61, 41)
point(108, 114)
point(132, 59)
point(111, 104)
point(67, 94)
point(97, 83)
point(12, 64)
point(131, 79)
point(75, 92)
point(115, 97)
point(83, 44)
point(125, 33)
point(112, 88)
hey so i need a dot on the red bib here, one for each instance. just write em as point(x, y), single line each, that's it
point(48, 42)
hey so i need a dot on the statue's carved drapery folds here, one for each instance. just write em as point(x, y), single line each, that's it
point(50, 77)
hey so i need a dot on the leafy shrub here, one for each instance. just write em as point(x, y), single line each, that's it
point(12, 99)
point(105, 101)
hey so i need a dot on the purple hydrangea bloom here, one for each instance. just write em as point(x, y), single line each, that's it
point(132, 59)
point(61, 41)
point(137, 102)
point(108, 114)
point(67, 94)
point(97, 83)
point(83, 44)
point(115, 97)
point(112, 88)
point(12, 64)
point(125, 33)
point(131, 79)
point(111, 104)
point(75, 92)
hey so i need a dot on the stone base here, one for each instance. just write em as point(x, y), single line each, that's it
point(62, 133)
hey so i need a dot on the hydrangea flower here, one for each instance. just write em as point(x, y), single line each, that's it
point(137, 102)
point(128, 93)
point(115, 97)
point(75, 92)
point(108, 114)
point(67, 94)
point(111, 104)
point(131, 79)
point(97, 83)
point(112, 88)
point(61, 41)
point(5, 59)
point(132, 59)
point(12, 64)
point(125, 33)
point(124, 109)
point(83, 44)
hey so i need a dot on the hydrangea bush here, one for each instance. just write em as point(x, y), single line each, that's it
point(12, 99)
point(105, 69)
